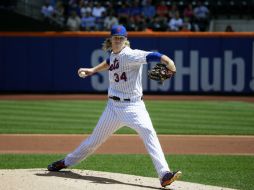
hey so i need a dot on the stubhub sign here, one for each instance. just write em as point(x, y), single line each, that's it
point(231, 71)
point(205, 65)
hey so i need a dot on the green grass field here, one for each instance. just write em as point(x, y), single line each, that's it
point(227, 171)
point(169, 117)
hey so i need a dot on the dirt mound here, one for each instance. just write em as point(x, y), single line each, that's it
point(40, 179)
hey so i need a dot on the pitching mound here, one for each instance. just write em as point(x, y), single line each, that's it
point(40, 179)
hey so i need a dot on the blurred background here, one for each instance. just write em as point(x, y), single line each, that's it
point(44, 42)
point(136, 15)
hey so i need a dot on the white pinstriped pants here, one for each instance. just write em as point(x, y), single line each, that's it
point(116, 115)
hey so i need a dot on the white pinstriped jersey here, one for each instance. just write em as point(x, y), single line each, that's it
point(125, 82)
point(125, 73)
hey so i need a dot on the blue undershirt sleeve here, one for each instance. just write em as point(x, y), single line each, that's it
point(108, 61)
point(153, 57)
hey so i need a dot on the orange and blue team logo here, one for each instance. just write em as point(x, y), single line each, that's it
point(118, 30)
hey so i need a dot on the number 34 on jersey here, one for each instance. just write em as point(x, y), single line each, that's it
point(117, 76)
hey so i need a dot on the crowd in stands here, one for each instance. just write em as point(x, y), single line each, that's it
point(136, 15)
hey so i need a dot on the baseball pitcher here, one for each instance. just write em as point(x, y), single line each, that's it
point(125, 105)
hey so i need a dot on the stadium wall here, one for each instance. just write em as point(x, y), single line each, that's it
point(47, 62)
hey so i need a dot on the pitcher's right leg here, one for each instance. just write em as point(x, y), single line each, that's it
point(106, 126)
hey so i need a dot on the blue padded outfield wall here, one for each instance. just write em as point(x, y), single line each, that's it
point(40, 64)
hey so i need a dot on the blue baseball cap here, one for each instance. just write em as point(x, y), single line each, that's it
point(118, 30)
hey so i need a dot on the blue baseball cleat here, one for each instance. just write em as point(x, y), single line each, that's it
point(56, 166)
point(170, 177)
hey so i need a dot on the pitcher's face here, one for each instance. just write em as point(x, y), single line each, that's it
point(118, 43)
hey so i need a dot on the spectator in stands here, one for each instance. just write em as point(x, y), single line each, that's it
point(123, 13)
point(99, 13)
point(142, 24)
point(47, 11)
point(59, 17)
point(201, 16)
point(137, 15)
point(88, 22)
point(131, 25)
point(73, 3)
point(98, 10)
point(135, 11)
point(99, 22)
point(175, 23)
point(110, 7)
point(161, 9)
point(109, 21)
point(73, 22)
point(229, 28)
point(159, 23)
point(188, 12)
point(148, 10)
point(84, 8)
point(74, 6)
point(173, 11)
point(201, 11)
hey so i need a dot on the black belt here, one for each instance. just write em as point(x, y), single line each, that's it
point(118, 99)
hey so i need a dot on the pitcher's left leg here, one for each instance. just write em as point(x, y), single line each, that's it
point(139, 120)
point(152, 144)
point(150, 139)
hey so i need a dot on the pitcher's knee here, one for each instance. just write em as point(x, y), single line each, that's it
point(147, 132)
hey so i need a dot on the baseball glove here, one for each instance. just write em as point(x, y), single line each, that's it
point(160, 72)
